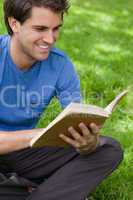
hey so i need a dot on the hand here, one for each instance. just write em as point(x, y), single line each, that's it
point(84, 142)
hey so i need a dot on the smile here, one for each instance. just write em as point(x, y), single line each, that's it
point(44, 46)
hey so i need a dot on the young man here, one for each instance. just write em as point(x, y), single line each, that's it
point(32, 72)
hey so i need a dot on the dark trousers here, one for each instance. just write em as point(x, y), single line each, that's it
point(56, 173)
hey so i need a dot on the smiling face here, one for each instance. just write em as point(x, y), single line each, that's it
point(33, 39)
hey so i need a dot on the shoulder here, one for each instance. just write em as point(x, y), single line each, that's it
point(3, 41)
point(63, 64)
point(3, 45)
point(57, 52)
point(59, 56)
point(59, 59)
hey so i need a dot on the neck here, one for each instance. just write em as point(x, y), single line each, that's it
point(21, 60)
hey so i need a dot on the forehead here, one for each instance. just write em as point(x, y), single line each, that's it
point(44, 16)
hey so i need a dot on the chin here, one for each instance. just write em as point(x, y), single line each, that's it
point(40, 58)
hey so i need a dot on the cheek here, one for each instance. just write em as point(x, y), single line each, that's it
point(30, 37)
point(56, 35)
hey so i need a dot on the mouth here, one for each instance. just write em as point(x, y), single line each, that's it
point(43, 48)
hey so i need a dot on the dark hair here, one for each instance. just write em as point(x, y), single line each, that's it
point(21, 9)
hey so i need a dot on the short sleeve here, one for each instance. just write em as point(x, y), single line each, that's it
point(68, 85)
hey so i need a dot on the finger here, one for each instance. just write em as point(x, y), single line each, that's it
point(85, 130)
point(70, 141)
point(92, 143)
point(94, 128)
point(90, 135)
point(76, 135)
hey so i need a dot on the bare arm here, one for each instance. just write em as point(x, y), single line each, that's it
point(16, 140)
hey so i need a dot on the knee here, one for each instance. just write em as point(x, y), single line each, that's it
point(112, 150)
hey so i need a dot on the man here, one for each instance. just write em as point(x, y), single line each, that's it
point(32, 72)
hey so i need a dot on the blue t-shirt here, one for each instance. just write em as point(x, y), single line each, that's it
point(24, 95)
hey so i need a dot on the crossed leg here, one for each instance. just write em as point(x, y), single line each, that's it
point(63, 173)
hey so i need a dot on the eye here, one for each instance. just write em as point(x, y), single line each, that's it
point(40, 29)
point(57, 29)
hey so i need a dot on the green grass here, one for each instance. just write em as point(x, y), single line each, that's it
point(98, 36)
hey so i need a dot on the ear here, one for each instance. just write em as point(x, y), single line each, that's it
point(14, 24)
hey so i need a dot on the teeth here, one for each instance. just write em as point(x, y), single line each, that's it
point(44, 47)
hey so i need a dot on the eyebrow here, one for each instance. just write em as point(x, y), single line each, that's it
point(45, 27)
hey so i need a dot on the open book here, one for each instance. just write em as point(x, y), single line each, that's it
point(72, 115)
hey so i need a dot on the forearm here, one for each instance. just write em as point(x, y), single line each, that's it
point(16, 140)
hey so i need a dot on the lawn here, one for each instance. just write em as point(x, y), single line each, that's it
point(98, 36)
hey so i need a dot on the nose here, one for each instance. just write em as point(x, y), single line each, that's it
point(49, 37)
